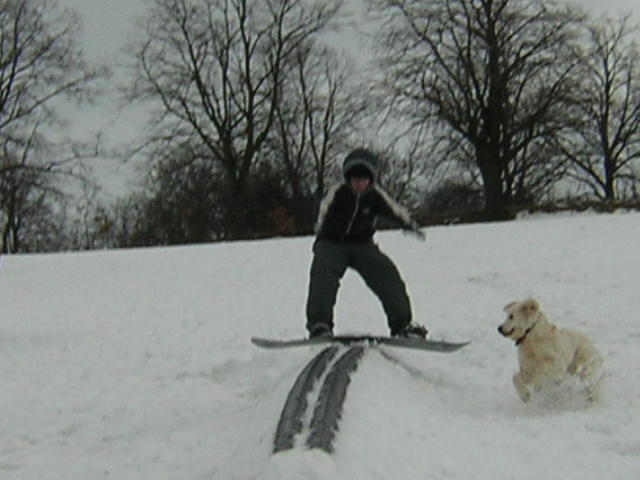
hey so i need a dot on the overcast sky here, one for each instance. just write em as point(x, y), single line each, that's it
point(107, 24)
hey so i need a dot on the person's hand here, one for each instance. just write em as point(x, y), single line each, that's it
point(419, 234)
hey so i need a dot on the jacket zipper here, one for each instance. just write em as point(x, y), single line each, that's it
point(353, 217)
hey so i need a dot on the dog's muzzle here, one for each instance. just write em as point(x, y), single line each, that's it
point(504, 332)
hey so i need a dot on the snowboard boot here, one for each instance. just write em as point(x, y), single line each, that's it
point(320, 330)
point(412, 330)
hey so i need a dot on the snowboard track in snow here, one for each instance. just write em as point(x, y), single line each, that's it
point(291, 418)
point(328, 406)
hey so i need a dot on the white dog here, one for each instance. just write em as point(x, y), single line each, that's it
point(548, 355)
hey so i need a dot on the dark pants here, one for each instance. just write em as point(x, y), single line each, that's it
point(330, 262)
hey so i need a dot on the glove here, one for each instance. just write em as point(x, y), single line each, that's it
point(419, 234)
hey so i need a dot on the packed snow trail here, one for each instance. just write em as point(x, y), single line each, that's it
point(137, 363)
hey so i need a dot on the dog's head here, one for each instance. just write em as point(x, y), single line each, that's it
point(521, 317)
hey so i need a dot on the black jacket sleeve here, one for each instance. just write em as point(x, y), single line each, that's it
point(391, 209)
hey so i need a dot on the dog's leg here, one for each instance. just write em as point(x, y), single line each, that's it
point(521, 387)
point(587, 367)
point(592, 394)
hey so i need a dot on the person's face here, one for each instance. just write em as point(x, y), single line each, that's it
point(360, 184)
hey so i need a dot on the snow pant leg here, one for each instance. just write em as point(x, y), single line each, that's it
point(327, 268)
point(383, 278)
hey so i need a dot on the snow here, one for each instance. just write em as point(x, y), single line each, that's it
point(136, 364)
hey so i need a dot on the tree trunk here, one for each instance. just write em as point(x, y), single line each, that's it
point(495, 204)
point(609, 177)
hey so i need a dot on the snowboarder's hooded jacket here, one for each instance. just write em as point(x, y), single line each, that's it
point(346, 216)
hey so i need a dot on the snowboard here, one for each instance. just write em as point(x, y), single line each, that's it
point(413, 343)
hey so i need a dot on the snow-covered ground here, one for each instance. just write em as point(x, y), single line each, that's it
point(137, 364)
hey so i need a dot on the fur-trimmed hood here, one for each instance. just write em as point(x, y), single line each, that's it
point(363, 160)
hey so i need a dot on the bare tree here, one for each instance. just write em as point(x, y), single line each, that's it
point(408, 166)
point(184, 205)
point(493, 75)
point(314, 121)
point(216, 68)
point(604, 143)
point(40, 62)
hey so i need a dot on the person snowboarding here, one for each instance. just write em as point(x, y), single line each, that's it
point(345, 227)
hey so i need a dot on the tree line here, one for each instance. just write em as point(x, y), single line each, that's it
point(476, 107)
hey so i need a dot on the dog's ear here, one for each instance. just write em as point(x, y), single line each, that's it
point(530, 306)
point(508, 306)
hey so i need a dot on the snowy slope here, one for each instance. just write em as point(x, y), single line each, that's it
point(137, 364)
